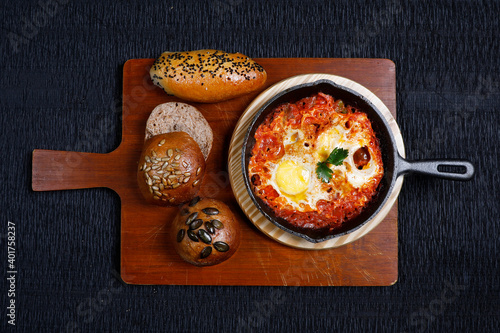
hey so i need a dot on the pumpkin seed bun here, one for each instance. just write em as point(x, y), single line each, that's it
point(205, 232)
point(180, 117)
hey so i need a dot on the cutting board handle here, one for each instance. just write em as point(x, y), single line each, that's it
point(65, 170)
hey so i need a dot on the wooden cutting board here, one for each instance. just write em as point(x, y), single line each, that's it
point(146, 255)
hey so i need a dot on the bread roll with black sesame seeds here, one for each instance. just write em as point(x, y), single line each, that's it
point(207, 76)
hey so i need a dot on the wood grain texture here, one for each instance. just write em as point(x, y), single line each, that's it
point(146, 256)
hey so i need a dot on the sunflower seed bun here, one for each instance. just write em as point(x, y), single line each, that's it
point(171, 169)
point(207, 76)
point(180, 117)
point(205, 232)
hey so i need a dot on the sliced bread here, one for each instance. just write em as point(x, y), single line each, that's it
point(180, 117)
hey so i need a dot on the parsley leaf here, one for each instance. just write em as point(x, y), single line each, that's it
point(323, 172)
point(336, 157)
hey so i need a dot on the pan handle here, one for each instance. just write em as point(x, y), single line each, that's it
point(446, 169)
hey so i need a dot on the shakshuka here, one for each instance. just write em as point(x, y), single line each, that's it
point(316, 162)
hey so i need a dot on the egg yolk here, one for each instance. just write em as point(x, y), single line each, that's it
point(292, 178)
point(326, 142)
